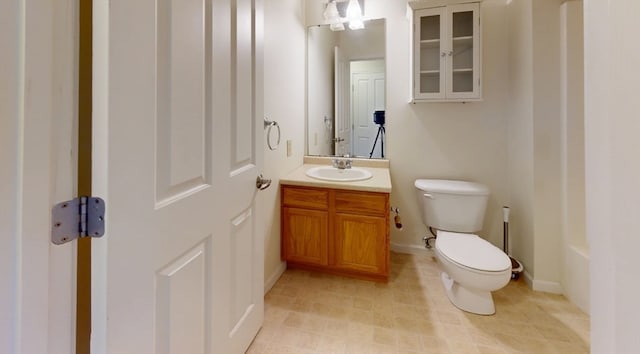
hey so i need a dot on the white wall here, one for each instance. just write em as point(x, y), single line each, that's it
point(520, 131)
point(367, 44)
point(612, 125)
point(547, 145)
point(536, 141)
point(575, 278)
point(284, 101)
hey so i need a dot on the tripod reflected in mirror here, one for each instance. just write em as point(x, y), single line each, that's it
point(378, 118)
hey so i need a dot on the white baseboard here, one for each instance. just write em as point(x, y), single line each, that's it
point(543, 285)
point(576, 277)
point(271, 281)
point(409, 249)
point(528, 279)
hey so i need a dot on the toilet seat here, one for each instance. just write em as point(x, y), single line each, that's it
point(472, 252)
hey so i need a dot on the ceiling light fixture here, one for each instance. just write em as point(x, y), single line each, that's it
point(332, 16)
point(337, 12)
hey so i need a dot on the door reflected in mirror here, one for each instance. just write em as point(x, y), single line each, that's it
point(346, 86)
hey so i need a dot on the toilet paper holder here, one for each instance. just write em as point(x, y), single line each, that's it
point(397, 220)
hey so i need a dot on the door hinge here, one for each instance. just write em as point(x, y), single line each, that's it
point(77, 218)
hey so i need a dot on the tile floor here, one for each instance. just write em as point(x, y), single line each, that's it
point(316, 313)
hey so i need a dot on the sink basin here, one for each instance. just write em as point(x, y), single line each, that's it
point(329, 173)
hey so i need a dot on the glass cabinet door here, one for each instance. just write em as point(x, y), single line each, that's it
point(463, 59)
point(430, 62)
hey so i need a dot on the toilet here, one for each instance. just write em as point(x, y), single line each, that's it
point(471, 267)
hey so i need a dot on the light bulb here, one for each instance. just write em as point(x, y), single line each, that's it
point(331, 14)
point(354, 12)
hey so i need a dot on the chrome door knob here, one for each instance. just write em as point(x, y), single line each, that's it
point(262, 183)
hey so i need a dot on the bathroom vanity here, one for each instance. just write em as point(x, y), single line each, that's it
point(337, 227)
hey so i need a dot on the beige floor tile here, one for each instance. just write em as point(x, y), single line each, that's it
point(314, 323)
point(331, 344)
point(434, 344)
point(385, 336)
point(357, 347)
point(409, 342)
point(462, 347)
point(360, 316)
point(316, 313)
point(362, 303)
point(358, 332)
point(336, 327)
point(383, 319)
point(294, 319)
point(490, 349)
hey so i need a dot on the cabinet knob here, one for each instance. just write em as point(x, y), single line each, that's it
point(443, 54)
point(451, 53)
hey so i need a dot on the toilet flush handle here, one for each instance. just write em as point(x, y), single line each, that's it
point(428, 195)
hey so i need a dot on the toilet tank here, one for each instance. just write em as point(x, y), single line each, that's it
point(452, 205)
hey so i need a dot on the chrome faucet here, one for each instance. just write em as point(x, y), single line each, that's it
point(342, 163)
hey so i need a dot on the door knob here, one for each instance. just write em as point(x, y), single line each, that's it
point(262, 183)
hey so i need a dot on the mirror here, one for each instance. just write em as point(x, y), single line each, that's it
point(346, 87)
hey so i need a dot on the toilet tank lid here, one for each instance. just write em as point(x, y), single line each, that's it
point(451, 187)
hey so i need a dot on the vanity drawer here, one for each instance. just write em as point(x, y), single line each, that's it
point(366, 203)
point(305, 197)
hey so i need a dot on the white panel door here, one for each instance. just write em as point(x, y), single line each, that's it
point(37, 107)
point(178, 145)
point(368, 97)
point(341, 91)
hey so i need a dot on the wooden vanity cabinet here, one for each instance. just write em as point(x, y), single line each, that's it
point(337, 231)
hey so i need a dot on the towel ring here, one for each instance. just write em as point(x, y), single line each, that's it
point(268, 124)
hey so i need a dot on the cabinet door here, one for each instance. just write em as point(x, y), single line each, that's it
point(429, 53)
point(463, 52)
point(360, 243)
point(305, 235)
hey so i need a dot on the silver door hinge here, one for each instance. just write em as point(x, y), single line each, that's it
point(77, 218)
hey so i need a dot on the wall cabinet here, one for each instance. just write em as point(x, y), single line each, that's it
point(447, 53)
point(337, 231)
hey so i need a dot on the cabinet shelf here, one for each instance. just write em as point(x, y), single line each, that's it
point(463, 70)
point(430, 72)
point(463, 40)
point(429, 43)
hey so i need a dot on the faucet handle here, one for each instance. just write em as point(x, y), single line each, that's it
point(341, 162)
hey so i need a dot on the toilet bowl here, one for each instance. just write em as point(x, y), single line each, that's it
point(472, 267)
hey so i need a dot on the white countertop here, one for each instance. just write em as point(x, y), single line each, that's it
point(379, 182)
